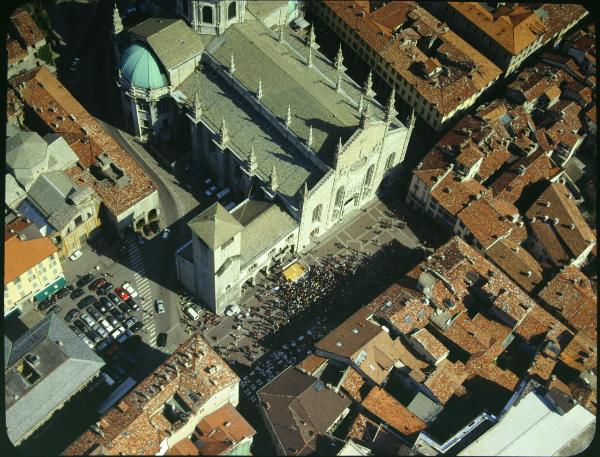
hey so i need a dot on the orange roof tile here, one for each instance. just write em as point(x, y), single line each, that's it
point(581, 353)
point(311, 363)
point(26, 27)
point(388, 409)
point(541, 367)
point(352, 384)
point(431, 344)
point(446, 381)
point(22, 255)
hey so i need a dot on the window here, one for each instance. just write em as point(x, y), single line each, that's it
point(317, 213)
point(369, 176)
point(17, 280)
point(227, 243)
point(231, 11)
point(389, 162)
point(207, 15)
point(339, 197)
point(143, 105)
point(78, 220)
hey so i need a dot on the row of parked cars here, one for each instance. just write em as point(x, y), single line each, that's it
point(104, 317)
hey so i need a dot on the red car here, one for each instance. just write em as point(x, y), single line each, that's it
point(97, 283)
point(122, 293)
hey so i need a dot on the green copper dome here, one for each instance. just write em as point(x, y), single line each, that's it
point(141, 69)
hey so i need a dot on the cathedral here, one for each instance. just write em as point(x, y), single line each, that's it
point(299, 144)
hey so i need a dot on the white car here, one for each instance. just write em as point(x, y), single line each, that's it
point(232, 310)
point(160, 306)
point(75, 255)
point(109, 328)
point(165, 235)
point(130, 290)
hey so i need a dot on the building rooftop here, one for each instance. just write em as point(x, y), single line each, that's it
point(64, 115)
point(172, 40)
point(354, 385)
point(29, 34)
point(570, 293)
point(559, 225)
point(374, 435)
point(430, 343)
point(300, 409)
point(20, 255)
point(446, 381)
point(214, 226)
point(221, 430)
point(513, 27)
point(264, 224)
point(184, 383)
point(311, 364)
point(424, 407)
point(139, 67)
point(520, 430)
point(580, 353)
point(441, 66)
point(43, 369)
point(387, 408)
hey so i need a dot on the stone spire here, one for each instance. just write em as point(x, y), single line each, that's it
point(197, 106)
point(390, 108)
point(223, 133)
point(309, 141)
point(339, 60)
point(368, 87)
point(304, 194)
point(360, 103)
point(309, 60)
point(338, 153)
point(366, 114)
point(281, 34)
point(117, 23)
point(413, 118)
point(259, 92)
point(231, 65)
point(338, 83)
point(252, 164)
point(311, 36)
point(273, 181)
point(288, 117)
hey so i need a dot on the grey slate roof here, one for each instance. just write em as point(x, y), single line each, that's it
point(424, 407)
point(172, 40)
point(262, 8)
point(65, 364)
point(25, 150)
point(61, 154)
point(300, 409)
point(50, 191)
point(14, 192)
point(247, 128)
point(11, 129)
point(287, 81)
point(214, 226)
point(264, 224)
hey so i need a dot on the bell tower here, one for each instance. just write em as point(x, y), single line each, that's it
point(211, 17)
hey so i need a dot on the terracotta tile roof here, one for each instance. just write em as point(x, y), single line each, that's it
point(136, 424)
point(15, 51)
point(373, 435)
point(570, 293)
point(446, 381)
point(585, 396)
point(407, 315)
point(352, 384)
point(39, 89)
point(513, 27)
point(591, 114)
point(221, 430)
point(539, 324)
point(22, 255)
point(311, 363)
point(469, 71)
point(484, 366)
point(183, 447)
point(561, 15)
point(581, 353)
point(25, 26)
point(516, 264)
point(565, 234)
point(541, 367)
point(486, 219)
point(535, 81)
point(477, 335)
point(430, 343)
point(454, 195)
point(388, 409)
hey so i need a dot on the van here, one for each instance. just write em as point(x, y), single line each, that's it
point(191, 312)
point(223, 193)
point(107, 379)
point(230, 206)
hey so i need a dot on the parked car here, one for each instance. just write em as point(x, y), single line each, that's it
point(102, 345)
point(132, 304)
point(77, 332)
point(123, 307)
point(85, 317)
point(165, 235)
point(123, 295)
point(160, 306)
point(87, 341)
point(232, 310)
point(130, 290)
point(125, 336)
point(96, 283)
point(130, 322)
point(100, 330)
point(112, 321)
point(117, 332)
point(137, 327)
point(104, 288)
point(161, 340)
point(62, 293)
point(105, 303)
point(114, 298)
point(93, 336)
point(55, 309)
point(86, 301)
point(77, 293)
point(75, 64)
point(140, 240)
point(118, 314)
point(72, 314)
point(80, 325)
point(75, 255)
point(109, 328)
point(94, 312)
point(85, 280)
point(46, 303)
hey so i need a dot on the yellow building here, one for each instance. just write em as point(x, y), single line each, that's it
point(32, 269)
